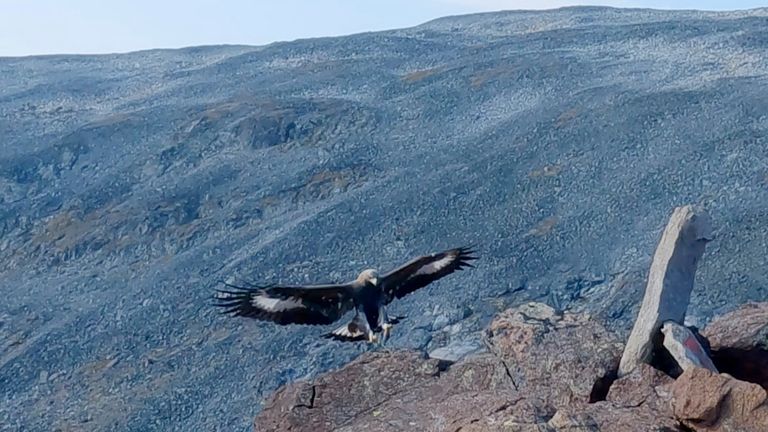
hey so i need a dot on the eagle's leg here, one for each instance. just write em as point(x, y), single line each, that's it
point(385, 323)
point(372, 337)
point(386, 330)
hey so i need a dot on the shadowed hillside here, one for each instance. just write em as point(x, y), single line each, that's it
point(556, 142)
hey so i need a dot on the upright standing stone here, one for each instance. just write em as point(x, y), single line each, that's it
point(670, 282)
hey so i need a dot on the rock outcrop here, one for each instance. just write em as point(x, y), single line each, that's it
point(706, 401)
point(739, 343)
point(561, 358)
point(545, 371)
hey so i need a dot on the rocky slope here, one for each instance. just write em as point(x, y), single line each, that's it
point(555, 141)
point(545, 372)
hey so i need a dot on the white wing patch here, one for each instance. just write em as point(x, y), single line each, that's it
point(435, 266)
point(275, 305)
point(345, 331)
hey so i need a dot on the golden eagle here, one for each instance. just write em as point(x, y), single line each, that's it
point(325, 304)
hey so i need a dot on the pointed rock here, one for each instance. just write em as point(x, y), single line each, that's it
point(670, 282)
point(681, 343)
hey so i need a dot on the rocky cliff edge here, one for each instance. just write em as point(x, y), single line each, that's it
point(542, 371)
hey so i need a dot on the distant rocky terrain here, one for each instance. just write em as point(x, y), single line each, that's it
point(131, 185)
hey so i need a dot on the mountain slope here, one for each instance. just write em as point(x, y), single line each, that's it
point(556, 141)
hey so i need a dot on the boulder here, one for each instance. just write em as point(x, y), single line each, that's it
point(399, 391)
point(706, 401)
point(559, 357)
point(739, 343)
point(543, 370)
point(743, 328)
point(336, 398)
point(685, 348)
point(644, 386)
point(606, 417)
point(639, 401)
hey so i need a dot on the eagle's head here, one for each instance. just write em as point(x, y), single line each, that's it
point(369, 276)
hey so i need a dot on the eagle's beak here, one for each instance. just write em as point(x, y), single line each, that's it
point(375, 281)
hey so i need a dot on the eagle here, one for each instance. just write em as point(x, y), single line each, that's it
point(324, 304)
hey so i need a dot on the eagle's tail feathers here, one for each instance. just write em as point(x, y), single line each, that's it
point(344, 338)
point(354, 330)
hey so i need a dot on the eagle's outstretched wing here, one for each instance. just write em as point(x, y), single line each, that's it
point(287, 304)
point(423, 270)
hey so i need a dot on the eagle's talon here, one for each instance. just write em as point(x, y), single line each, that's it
point(373, 338)
point(386, 330)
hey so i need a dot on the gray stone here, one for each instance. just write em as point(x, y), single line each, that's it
point(685, 348)
point(670, 282)
point(440, 322)
point(458, 350)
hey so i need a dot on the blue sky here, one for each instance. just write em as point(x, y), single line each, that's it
point(101, 26)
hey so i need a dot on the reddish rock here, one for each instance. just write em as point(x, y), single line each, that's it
point(739, 343)
point(643, 386)
point(561, 358)
point(636, 402)
point(463, 411)
point(395, 391)
point(709, 402)
point(743, 328)
point(539, 363)
point(545, 372)
point(339, 397)
point(606, 417)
